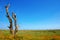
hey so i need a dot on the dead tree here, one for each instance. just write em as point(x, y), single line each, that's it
point(10, 19)
point(15, 22)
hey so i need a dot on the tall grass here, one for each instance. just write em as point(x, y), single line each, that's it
point(31, 35)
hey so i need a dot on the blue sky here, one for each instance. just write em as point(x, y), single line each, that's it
point(32, 14)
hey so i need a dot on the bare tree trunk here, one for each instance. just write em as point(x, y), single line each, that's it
point(15, 23)
point(10, 20)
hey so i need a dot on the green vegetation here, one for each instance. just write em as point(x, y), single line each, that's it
point(31, 35)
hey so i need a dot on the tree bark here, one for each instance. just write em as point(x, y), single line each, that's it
point(15, 23)
point(10, 20)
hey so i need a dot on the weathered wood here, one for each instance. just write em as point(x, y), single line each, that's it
point(15, 22)
point(10, 20)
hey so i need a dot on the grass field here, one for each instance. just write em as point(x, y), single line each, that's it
point(31, 35)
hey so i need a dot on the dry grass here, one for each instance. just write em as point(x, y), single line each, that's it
point(30, 35)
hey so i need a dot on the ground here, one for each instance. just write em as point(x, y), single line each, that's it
point(31, 35)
